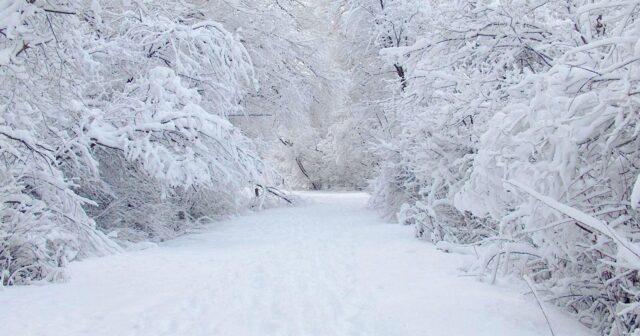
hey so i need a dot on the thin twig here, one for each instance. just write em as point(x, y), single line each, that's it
point(535, 294)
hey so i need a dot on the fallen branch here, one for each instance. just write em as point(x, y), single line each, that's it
point(276, 192)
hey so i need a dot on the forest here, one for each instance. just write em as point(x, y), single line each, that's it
point(503, 129)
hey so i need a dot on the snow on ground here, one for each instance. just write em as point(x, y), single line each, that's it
point(328, 267)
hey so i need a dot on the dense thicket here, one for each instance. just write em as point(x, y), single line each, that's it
point(512, 127)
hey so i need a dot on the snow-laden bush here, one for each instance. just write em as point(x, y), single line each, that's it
point(570, 134)
point(115, 113)
point(43, 224)
point(458, 71)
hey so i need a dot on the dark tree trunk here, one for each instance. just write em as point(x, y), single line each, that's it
point(400, 72)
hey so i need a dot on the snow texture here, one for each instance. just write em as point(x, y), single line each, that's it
point(328, 267)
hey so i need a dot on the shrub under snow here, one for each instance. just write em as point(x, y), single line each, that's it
point(114, 120)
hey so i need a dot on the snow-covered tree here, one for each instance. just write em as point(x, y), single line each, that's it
point(87, 84)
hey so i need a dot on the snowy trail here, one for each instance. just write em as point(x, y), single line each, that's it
point(329, 267)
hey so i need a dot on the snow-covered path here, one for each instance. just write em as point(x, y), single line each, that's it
point(329, 267)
